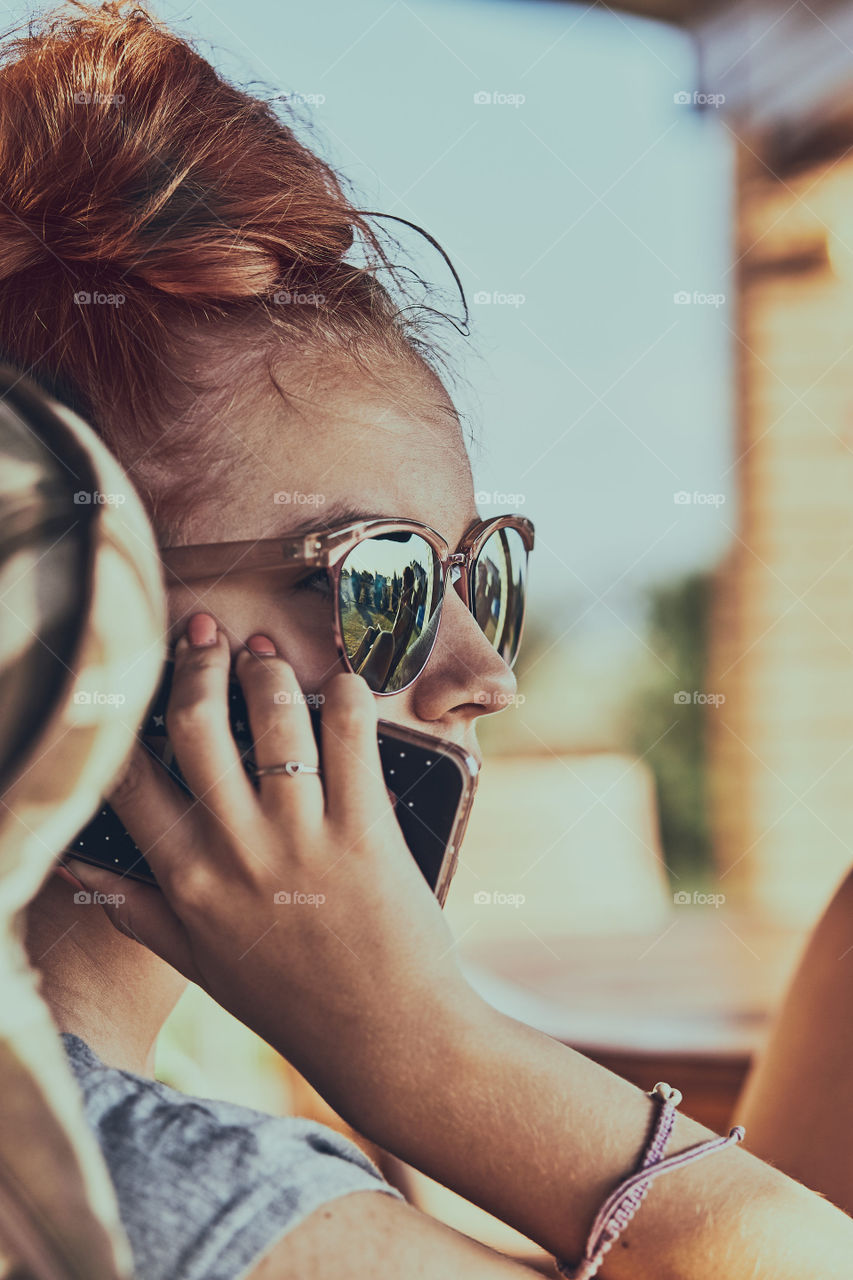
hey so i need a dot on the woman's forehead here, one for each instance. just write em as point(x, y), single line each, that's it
point(359, 451)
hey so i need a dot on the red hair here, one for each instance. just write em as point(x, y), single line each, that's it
point(132, 172)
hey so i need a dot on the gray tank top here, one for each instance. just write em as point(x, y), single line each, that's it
point(206, 1188)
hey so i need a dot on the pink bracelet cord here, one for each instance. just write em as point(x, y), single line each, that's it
point(621, 1205)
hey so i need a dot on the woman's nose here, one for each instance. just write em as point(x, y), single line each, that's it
point(464, 669)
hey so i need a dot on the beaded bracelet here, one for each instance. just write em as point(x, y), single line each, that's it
point(620, 1207)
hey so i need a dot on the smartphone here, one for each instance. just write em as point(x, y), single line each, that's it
point(433, 783)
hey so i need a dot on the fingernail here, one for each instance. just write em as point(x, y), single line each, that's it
point(62, 871)
point(201, 630)
point(261, 645)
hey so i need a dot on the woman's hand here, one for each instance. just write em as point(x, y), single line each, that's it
point(299, 908)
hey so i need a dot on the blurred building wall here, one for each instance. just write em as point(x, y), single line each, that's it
point(782, 629)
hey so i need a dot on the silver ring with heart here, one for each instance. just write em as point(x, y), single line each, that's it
point(290, 767)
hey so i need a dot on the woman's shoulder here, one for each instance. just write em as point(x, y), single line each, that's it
point(205, 1187)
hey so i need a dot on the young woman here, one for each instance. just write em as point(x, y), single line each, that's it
point(160, 234)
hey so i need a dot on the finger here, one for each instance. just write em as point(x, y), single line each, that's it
point(356, 794)
point(199, 730)
point(164, 823)
point(377, 664)
point(364, 648)
point(139, 911)
point(281, 731)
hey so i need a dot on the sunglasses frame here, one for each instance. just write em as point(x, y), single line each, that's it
point(327, 549)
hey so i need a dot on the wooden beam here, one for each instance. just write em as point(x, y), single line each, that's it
point(784, 73)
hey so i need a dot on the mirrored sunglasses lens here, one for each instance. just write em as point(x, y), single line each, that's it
point(390, 598)
point(500, 573)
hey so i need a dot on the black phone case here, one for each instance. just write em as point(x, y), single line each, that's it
point(433, 782)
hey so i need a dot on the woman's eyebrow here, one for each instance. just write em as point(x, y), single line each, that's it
point(322, 517)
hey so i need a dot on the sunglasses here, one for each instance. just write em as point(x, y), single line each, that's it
point(388, 580)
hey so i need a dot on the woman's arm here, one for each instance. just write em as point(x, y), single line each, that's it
point(362, 993)
point(538, 1135)
point(365, 1236)
point(798, 1102)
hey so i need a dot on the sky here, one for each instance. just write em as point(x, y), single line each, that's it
point(544, 146)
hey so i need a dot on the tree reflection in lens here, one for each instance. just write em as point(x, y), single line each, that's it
point(388, 597)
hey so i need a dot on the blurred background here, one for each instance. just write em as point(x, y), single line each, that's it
point(649, 206)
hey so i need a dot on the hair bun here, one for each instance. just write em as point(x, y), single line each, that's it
point(121, 150)
point(150, 213)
